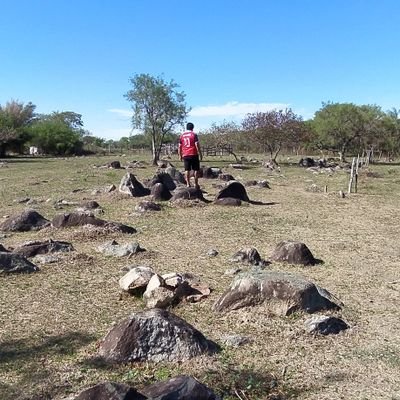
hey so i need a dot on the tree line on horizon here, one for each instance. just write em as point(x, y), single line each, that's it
point(159, 112)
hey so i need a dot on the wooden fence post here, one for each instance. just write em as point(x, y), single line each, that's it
point(351, 175)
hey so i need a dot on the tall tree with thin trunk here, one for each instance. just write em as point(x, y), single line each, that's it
point(158, 107)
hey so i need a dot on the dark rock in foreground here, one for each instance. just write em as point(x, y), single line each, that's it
point(235, 190)
point(326, 325)
point(293, 253)
point(28, 220)
point(280, 292)
point(182, 387)
point(159, 192)
point(228, 201)
point(14, 263)
point(110, 391)
point(187, 193)
point(154, 335)
point(32, 248)
point(81, 219)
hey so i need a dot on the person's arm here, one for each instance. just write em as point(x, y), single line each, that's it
point(180, 149)
point(199, 150)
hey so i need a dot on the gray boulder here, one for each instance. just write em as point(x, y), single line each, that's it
point(131, 186)
point(28, 220)
point(110, 391)
point(181, 387)
point(280, 292)
point(113, 249)
point(154, 335)
point(293, 253)
point(176, 175)
point(165, 179)
point(35, 247)
point(14, 263)
point(233, 189)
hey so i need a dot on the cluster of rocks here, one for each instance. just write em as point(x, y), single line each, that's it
point(31, 220)
point(162, 291)
point(15, 260)
point(181, 387)
point(166, 186)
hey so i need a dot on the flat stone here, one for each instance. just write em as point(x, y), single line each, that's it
point(280, 292)
point(113, 249)
point(325, 325)
point(28, 220)
point(110, 391)
point(14, 263)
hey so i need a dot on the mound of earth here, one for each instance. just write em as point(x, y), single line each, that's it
point(81, 219)
point(28, 220)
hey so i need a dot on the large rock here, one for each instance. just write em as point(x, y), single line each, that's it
point(165, 179)
point(159, 192)
point(181, 387)
point(136, 280)
point(110, 391)
point(14, 263)
point(3, 249)
point(113, 249)
point(130, 185)
point(81, 219)
point(154, 335)
point(235, 190)
point(35, 247)
point(281, 292)
point(293, 253)
point(187, 193)
point(28, 220)
point(176, 175)
point(114, 165)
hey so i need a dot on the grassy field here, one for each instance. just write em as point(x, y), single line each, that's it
point(51, 321)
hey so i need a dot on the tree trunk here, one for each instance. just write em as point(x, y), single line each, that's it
point(154, 151)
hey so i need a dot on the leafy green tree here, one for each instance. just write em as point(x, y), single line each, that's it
point(273, 129)
point(158, 107)
point(55, 136)
point(15, 118)
point(342, 126)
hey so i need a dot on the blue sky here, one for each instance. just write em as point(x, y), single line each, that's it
point(229, 57)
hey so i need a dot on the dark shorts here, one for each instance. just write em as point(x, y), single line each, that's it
point(191, 163)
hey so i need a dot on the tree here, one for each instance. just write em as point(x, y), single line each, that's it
point(273, 129)
point(223, 135)
point(158, 107)
point(339, 126)
point(15, 118)
point(59, 133)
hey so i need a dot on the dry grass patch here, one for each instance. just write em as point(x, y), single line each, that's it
point(51, 321)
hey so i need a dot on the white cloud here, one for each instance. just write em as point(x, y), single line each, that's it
point(121, 112)
point(235, 109)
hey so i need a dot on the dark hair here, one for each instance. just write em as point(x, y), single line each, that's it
point(189, 126)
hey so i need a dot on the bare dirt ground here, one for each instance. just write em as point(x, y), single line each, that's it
point(51, 321)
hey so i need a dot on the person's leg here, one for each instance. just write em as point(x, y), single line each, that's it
point(196, 167)
point(187, 166)
point(188, 178)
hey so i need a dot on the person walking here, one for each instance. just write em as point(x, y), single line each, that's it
point(190, 152)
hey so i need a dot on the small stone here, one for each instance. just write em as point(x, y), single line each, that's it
point(325, 325)
point(212, 253)
point(235, 340)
